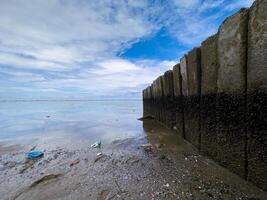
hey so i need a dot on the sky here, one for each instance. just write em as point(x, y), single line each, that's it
point(104, 49)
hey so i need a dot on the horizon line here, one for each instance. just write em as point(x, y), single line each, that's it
point(25, 100)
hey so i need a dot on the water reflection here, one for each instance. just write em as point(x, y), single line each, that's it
point(67, 122)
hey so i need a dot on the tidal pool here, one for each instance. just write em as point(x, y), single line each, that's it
point(69, 123)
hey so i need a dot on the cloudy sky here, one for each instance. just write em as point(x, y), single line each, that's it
point(90, 49)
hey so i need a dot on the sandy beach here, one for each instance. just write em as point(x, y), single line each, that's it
point(126, 169)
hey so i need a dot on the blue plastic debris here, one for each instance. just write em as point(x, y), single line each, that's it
point(34, 154)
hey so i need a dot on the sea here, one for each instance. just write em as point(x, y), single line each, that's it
point(69, 123)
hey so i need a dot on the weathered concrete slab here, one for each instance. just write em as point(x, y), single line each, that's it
point(183, 67)
point(209, 71)
point(194, 71)
point(146, 101)
point(184, 77)
point(177, 80)
point(192, 109)
point(178, 99)
point(160, 100)
point(257, 94)
point(232, 47)
point(168, 83)
point(152, 102)
point(168, 93)
point(209, 65)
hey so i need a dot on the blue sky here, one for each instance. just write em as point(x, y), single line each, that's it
point(83, 49)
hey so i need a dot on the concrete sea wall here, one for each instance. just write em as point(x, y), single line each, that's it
point(216, 97)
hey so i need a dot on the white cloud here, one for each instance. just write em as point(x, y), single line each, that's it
point(70, 31)
point(22, 62)
point(187, 4)
point(124, 74)
point(25, 77)
point(55, 54)
point(52, 45)
point(115, 66)
point(210, 4)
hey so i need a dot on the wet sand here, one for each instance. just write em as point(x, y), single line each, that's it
point(9, 148)
point(170, 169)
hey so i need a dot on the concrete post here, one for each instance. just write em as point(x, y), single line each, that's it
point(144, 105)
point(231, 131)
point(154, 100)
point(159, 83)
point(178, 99)
point(184, 77)
point(146, 102)
point(183, 67)
point(209, 71)
point(192, 112)
point(257, 94)
point(168, 93)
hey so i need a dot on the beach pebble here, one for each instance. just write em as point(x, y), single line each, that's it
point(75, 162)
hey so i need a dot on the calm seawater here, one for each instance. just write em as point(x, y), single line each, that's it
point(69, 122)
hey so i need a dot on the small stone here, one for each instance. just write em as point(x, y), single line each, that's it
point(159, 146)
point(75, 162)
point(167, 185)
point(147, 147)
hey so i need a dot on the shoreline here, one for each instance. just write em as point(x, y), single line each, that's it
point(171, 169)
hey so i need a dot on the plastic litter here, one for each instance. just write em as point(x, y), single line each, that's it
point(35, 154)
point(99, 154)
point(96, 144)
